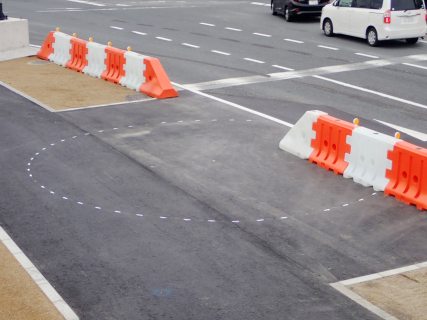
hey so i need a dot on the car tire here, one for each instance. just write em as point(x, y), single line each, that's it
point(328, 28)
point(273, 9)
point(287, 14)
point(412, 40)
point(372, 37)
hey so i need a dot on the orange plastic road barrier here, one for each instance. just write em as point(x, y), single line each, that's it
point(157, 83)
point(330, 144)
point(78, 55)
point(114, 62)
point(47, 48)
point(408, 175)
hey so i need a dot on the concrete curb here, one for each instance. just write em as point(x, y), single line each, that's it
point(38, 278)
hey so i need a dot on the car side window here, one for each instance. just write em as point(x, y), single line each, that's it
point(360, 3)
point(345, 3)
point(376, 4)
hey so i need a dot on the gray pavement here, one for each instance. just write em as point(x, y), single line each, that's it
point(135, 219)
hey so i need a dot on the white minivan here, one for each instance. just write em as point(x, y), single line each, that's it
point(376, 20)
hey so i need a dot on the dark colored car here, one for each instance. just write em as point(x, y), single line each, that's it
point(293, 8)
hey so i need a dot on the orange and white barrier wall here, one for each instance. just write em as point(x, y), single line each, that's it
point(368, 157)
point(130, 69)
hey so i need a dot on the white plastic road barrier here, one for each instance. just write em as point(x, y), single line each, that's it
point(368, 161)
point(134, 71)
point(96, 59)
point(62, 46)
point(298, 140)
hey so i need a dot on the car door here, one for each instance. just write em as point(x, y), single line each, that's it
point(359, 18)
point(342, 17)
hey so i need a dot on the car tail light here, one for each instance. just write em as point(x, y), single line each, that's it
point(387, 17)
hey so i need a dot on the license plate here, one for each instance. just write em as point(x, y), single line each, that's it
point(408, 20)
point(313, 2)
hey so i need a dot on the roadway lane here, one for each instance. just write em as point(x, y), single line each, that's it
point(135, 220)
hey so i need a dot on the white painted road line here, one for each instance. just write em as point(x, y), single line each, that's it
point(88, 2)
point(220, 52)
point(325, 47)
point(257, 3)
point(118, 28)
point(414, 65)
point(291, 40)
point(233, 29)
point(419, 105)
point(207, 24)
point(284, 68)
point(164, 39)
point(419, 135)
point(262, 34)
point(253, 60)
point(235, 105)
point(367, 55)
point(190, 45)
point(140, 33)
point(123, 5)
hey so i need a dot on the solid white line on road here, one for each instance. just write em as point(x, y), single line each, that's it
point(233, 29)
point(419, 105)
point(88, 2)
point(207, 24)
point(291, 40)
point(235, 105)
point(140, 33)
point(253, 60)
point(416, 134)
point(367, 55)
point(118, 28)
point(258, 3)
point(262, 34)
point(164, 39)
point(190, 45)
point(414, 65)
point(220, 52)
point(284, 68)
point(325, 47)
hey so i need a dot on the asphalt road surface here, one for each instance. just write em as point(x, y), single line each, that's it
point(186, 208)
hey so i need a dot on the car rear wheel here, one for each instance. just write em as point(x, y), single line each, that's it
point(288, 16)
point(273, 8)
point(412, 40)
point(328, 29)
point(372, 37)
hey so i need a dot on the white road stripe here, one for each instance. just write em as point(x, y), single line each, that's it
point(207, 24)
point(325, 47)
point(118, 28)
point(233, 29)
point(257, 3)
point(291, 40)
point(419, 105)
point(220, 52)
point(123, 5)
point(190, 45)
point(88, 2)
point(419, 135)
point(262, 34)
point(367, 55)
point(253, 60)
point(235, 105)
point(284, 68)
point(422, 41)
point(140, 33)
point(164, 39)
point(414, 65)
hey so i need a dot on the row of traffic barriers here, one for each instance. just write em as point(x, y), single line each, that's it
point(130, 69)
point(368, 157)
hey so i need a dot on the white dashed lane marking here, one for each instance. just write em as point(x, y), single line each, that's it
point(262, 34)
point(253, 60)
point(292, 40)
point(415, 66)
point(284, 68)
point(164, 39)
point(207, 24)
point(220, 52)
point(233, 29)
point(140, 33)
point(117, 28)
point(366, 55)
point(326, 47)
point(191, 45)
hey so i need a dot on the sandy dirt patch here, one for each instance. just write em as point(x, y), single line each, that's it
point(404, 295)
point(61, 88)
point(20, 297)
